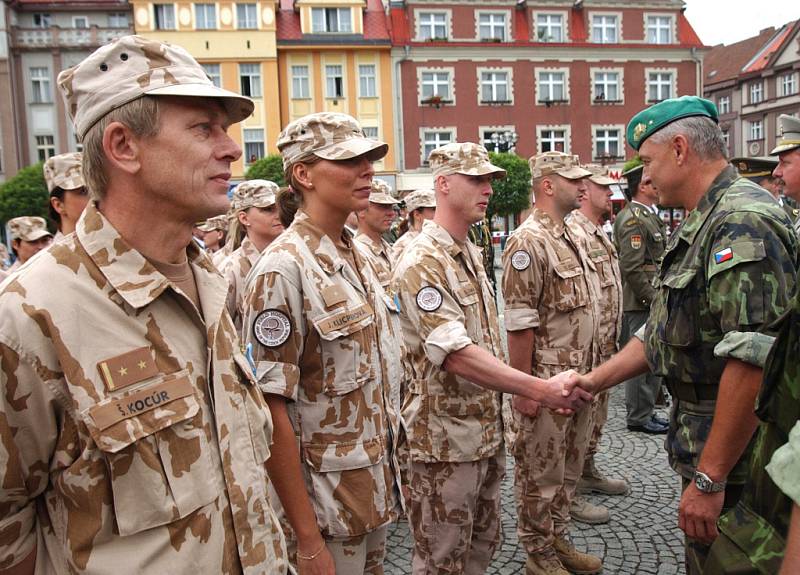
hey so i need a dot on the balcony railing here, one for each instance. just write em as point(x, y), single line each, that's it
point(57, 37)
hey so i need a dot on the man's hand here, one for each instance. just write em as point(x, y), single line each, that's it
point(525, 406)
point(584, 382)
point(698, 513)
point(561, 393)
point(321, 564)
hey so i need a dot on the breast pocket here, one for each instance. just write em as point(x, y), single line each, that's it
point(602, 263)
point(157, 452)
point(679, 324)
point(469, 302)
point(570, 286)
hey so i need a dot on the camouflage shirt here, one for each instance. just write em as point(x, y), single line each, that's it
point(132, 432)
point(402, 243)
point(546, 289)
point(381, 257)
point(728, 273)
point(447, 303)
point(235, 269)
point(321, 337)
point(603, 276)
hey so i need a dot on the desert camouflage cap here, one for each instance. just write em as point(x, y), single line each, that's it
point(328, 135)
point(254, 193)
point(599, 174)
point(28, 228)
point(558, 163)
point(423, 198)
point(215, 223)
point(382, 193)
point(463, 158)
point(789, 130)
point(64, 171)
point(131, 67)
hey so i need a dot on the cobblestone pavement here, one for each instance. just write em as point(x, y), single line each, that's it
point(642, 536)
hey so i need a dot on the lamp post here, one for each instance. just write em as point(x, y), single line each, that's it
point(505, 142)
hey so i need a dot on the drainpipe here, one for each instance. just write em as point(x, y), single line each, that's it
point(698, 70)
point(398, 110)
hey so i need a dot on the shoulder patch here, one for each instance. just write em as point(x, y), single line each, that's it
point(723, 255)
point(272, 328)
point(636, 241)
point(520, 260)
point(429, 299)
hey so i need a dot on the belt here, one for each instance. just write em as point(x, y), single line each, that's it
point(692, 392)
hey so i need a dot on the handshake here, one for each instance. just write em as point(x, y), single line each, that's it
point(564, 393)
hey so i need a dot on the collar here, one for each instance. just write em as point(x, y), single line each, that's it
point(581, 219)
point(442, 237)
point(249, 250)
point(544, 219)
point(651, 209)
point(379, 248)
point(695, 220)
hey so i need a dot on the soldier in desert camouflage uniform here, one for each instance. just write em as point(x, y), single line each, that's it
point(372, 223)
point(727, 274)
point(29, 235)
point(451, 412)
point(321, 332)
point(68, 193)
point(255, 225)
point(420, 206)
point(133, 435)
point(550, 319)
point(214, 233)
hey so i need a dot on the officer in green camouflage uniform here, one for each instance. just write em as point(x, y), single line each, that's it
point(728, 272)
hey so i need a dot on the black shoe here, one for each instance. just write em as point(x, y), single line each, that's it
point(649, 427)
point(659, 420)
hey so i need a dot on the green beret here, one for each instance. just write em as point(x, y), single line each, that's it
point(652, 119)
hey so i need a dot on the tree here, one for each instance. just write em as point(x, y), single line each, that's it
point(512, 194)
point(25, 194)
point(269, 168)
point(632, 163)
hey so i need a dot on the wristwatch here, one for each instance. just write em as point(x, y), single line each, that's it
point(705, 484)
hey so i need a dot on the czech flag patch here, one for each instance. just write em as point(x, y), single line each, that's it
point(723, 255)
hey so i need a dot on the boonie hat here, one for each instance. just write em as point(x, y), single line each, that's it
point(64, 171)
point(328, 135)
point(558, 163)
point(652, 119)
point(599, 175)
point(789, 130)
point(215, 223)
point(254, 193)
point(28, 228)
point(422, 198)
point(131, 67)
point(382, 194)
point(463, 158)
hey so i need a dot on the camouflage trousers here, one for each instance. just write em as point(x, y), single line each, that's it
point(549, 450)
point(599, 417)
point(353, 555)
point(454, 514)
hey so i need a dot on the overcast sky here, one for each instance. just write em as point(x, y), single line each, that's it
point(728, 21)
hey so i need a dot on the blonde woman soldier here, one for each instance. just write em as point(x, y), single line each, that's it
point(319, 329)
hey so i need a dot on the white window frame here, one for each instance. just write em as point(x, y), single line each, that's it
point(377, 135)
point(118, 20)
point(755, 130)
point(436, 130)
point(788, 78)
point(45, 19)
point(726, 100)
point(617, 16)
point(563, 14)
point(41, 92)
point(340, 20)
point(755, 92)
point(250, 20)
point(255, 86)
point(249, 138)
point(620, 72)
point(214, 74)
point(171, 24)
point(620, 128)
point(486, 142)
point(205, 16)
point(45, 146)
point(301, 82)
point(566, 128)
point(504, 26)
point(673, 33)
point(537, 75)
point(673, 85)
point(451, 101)
point(448, 18)
point(509, 72)
point(367, 80)
point(726, 137)
point(328, 69)
point(77, 19)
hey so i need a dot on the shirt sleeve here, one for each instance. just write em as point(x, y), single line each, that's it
point(784, 467)
point(523, 282)
point(632, 260)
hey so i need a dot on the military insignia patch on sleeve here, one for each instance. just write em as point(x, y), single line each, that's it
point(272, 328)
point(520, 260)
point(723, 255)
point(636, 241)
point(429, 299)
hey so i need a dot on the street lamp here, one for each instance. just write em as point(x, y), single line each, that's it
point(504, 141)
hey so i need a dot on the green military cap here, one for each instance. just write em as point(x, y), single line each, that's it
point(789, 129)
point(652, 119)
point(633, 177)
point(754, 167)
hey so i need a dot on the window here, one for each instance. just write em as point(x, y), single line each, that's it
point(205, 16)
point(165, 16)
point(606, 86)
point(550, 27)
point(432, 139)
point(253, 145)
point(552, 87)
point(607, 142)
point(604, 29)
point(334, 81)
point(553, 139)
point(756, 92)
point(40, 85)
point(41, 20)
point(788, 84)
point(246, 17)
point(45, 147)
point(502, 139)
point(659, 86)
point(492, 26)
point(250, 80)
point(370, 132)
point(494, 87)
point(213, 72)
point(726, 137)
point(724, 105)
point(435, 84)
point(756, 130)
point(433, 25)
point(330, 20)
point(80, 22)
point(659, 29)
point(366, 81)
point(118, 20)
point(300, 87)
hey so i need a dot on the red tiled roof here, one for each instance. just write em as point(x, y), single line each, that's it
point(71, 4)
point(375, 22)
point(686, 34)
point(398, 24)
point(726, 62)
point(763, 57)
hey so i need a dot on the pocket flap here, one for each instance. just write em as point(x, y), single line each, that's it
point(738, 252)
point(754, 536)
point(568, 269)
point(466, 294)
point(344, 456)
point(680, 279)
point(560, 357)
point(343, 322)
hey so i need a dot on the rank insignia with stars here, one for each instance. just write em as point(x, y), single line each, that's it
point(127, 369)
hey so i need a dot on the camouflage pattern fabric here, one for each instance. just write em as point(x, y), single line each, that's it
point(140, 441)
point(481, 235)
point(64, 171)
point(321, 337)
point(380, 256)
point(557, 163)
point(28, 228)
point(254, 193)
point(422, 198)
point(465, 158)
point(219, 257)
point(727, 274)
point(235, 269)
point(402, 243)
point(215, 223)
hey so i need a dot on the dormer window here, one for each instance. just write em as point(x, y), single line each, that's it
point(331, 20)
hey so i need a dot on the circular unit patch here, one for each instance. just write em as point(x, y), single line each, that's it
point(272, 328)
point(429, 299)
point(520, 260)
